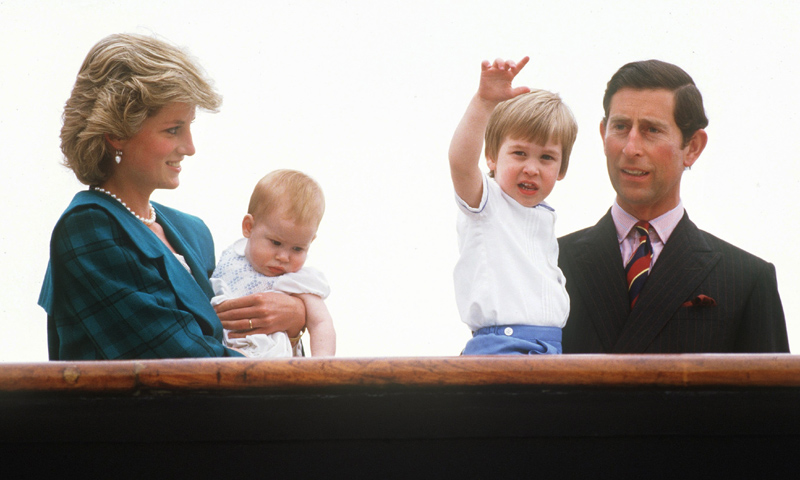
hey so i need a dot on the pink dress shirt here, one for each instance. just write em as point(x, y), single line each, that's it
point(660, 230)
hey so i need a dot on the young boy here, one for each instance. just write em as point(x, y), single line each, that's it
point(281, 222)
point(509, 289)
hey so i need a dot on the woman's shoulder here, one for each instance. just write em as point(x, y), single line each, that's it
point(94, 210)
point(84, 199)
point(86, 212)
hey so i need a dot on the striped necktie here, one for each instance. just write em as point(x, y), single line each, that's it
point(639, 265)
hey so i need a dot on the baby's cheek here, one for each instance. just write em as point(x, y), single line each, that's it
point(298, 264)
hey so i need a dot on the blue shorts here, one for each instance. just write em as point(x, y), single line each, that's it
point(514, 340)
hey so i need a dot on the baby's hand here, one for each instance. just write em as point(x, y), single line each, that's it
point(496, 80)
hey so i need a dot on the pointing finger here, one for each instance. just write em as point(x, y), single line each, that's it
point(522, 63)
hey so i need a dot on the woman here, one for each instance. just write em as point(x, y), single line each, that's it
point(129, 278)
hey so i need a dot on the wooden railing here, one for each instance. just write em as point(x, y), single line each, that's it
point(589, 416)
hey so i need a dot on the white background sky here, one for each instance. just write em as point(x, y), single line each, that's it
point(364, 96)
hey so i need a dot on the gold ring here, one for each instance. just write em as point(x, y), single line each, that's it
point(251, 324)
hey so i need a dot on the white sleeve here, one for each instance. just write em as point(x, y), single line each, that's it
point(306, 280)
point(221, 291)
point(464, 207)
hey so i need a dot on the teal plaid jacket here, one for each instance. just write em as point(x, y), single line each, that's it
point(113, 290)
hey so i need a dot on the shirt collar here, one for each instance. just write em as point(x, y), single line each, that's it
point(239, 247)
point(661, 226)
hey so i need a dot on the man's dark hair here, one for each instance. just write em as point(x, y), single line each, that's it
point(690, 116)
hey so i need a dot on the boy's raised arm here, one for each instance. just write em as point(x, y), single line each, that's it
point(465, 148)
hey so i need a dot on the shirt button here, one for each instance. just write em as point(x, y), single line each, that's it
point(508, 331)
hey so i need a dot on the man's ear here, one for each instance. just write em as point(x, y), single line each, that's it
point(247, 225)
point(603, 131)
point(694, 147)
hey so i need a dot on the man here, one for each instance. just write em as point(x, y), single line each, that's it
point(686, 290)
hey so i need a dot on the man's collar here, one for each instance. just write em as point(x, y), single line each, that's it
point(662, 226)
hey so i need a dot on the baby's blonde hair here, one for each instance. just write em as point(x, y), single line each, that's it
point(296, 193)
point(538, 116)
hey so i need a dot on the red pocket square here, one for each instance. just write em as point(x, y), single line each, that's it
point(701, 301)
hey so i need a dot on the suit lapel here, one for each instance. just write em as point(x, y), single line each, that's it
point(685, 261)
point(602, 281)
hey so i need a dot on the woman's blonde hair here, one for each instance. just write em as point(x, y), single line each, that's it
point(124, 80)
point(294, 191)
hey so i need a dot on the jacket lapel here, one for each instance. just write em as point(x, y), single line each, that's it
point(192, 290)
point(685, 261)
point(189, 288)
point(602, 281)
point(179, 242)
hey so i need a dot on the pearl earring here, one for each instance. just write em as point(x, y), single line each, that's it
point(118, 157)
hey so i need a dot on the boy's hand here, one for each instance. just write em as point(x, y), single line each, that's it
point(465, 148)
point(496, 80)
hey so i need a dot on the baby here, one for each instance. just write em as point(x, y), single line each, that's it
point(282, 220)
point(509, 289)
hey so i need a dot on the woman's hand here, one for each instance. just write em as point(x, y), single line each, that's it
point(266, 312)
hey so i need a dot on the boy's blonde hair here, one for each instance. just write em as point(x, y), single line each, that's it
point(124, 80)
point(538, 116)
point(298, 194)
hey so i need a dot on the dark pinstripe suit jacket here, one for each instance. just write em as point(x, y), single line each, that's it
point(748, 315)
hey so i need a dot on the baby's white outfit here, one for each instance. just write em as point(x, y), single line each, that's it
point(234, 277)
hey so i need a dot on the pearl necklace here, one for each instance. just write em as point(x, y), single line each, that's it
point(146, 221)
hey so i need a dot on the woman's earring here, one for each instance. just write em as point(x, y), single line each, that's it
point(118, 157)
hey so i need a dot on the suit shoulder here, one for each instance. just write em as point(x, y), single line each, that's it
point(573, 237)
point(574, 244)
point(730, 250)
point(603, 228)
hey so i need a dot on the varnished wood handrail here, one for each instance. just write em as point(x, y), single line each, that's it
point(767, 370)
